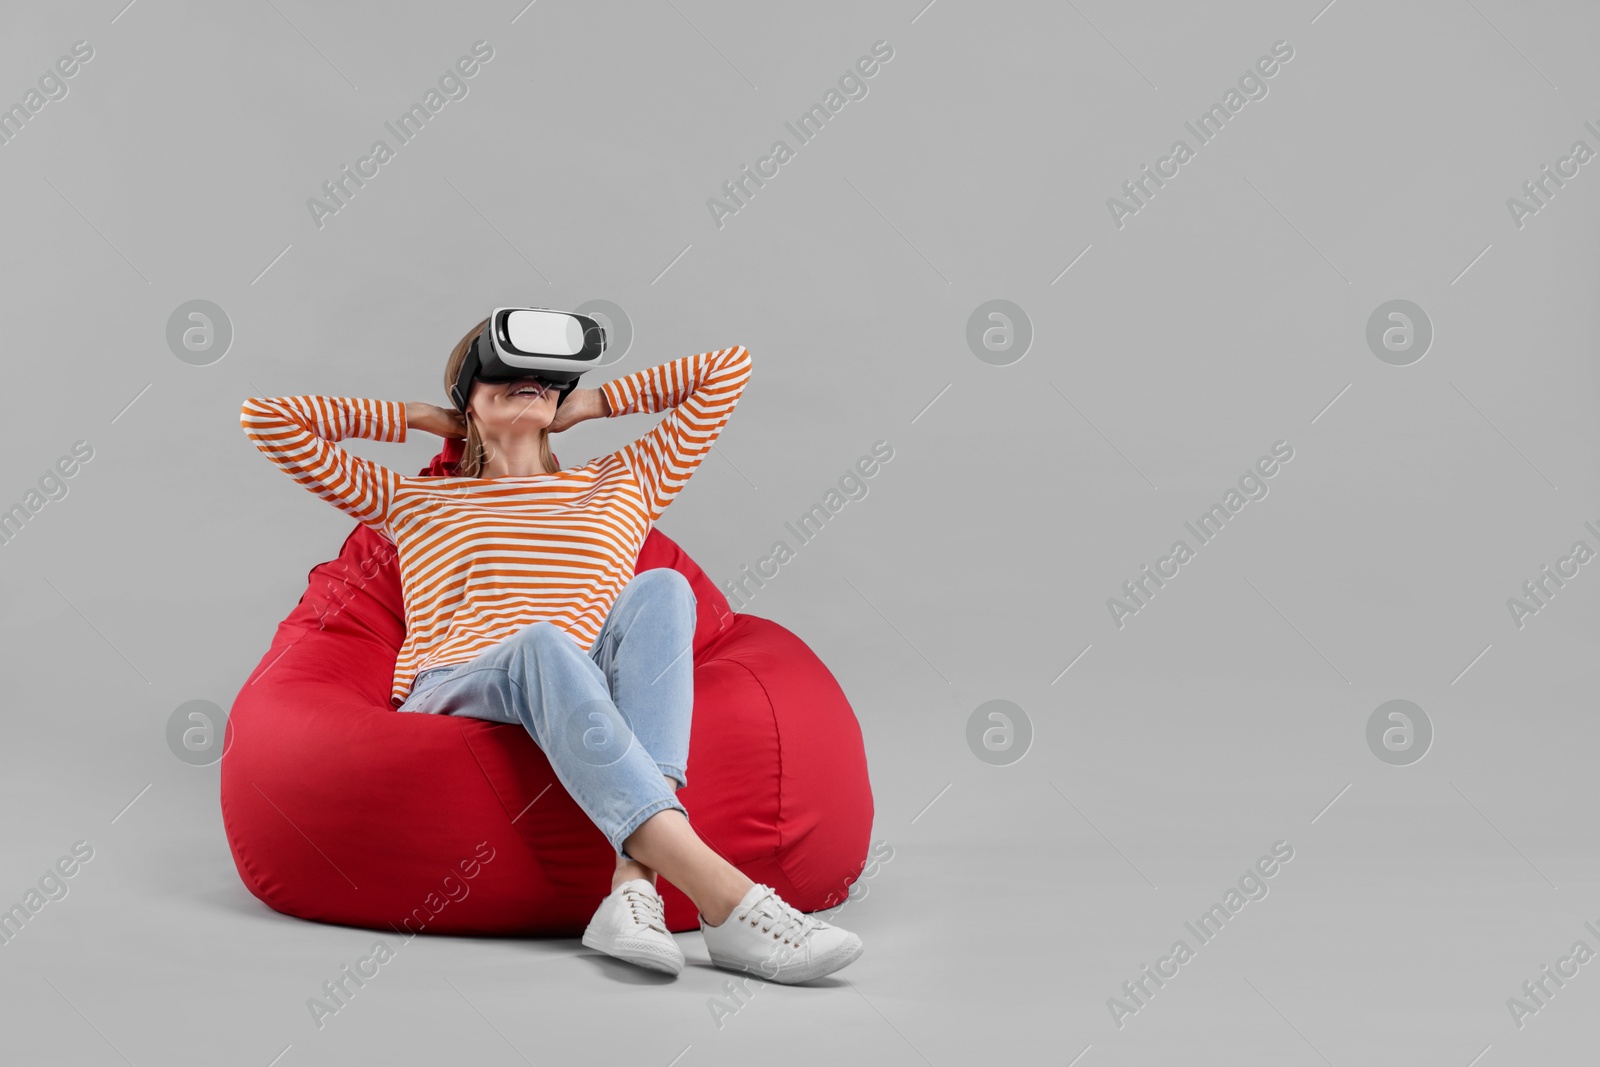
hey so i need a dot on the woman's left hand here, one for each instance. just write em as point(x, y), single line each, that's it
point(579, 406)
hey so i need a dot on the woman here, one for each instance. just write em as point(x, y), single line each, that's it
point(522, 606)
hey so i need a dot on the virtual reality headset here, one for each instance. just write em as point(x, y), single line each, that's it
point(554, 347)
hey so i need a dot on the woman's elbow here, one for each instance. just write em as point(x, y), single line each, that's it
point(256, 412)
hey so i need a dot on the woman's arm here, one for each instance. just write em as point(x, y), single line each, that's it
point(298, 433)
point(700, 392)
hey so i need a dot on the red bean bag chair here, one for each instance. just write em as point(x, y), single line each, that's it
point(341, 809)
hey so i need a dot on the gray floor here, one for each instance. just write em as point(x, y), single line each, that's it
point(1013, 907)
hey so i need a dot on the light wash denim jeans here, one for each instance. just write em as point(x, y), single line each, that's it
point(613, 720)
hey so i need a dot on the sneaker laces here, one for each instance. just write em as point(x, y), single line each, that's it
point(770, 914)
point(646, 907)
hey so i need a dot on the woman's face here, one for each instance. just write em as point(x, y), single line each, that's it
point(508, 408)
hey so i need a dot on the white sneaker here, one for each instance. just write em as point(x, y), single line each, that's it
point(630, 924)
point(766, 937)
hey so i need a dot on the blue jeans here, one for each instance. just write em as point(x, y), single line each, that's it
point(612, 721)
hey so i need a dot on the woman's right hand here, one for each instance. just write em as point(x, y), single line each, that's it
point(446, 422)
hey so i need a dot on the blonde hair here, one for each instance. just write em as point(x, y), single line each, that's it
point(474, 453)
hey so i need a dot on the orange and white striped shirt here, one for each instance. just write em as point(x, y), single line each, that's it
point(480, 558)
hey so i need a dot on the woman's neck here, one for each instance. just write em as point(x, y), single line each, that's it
point(518, 459)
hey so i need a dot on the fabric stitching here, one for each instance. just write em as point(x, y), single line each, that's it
point(777, 734)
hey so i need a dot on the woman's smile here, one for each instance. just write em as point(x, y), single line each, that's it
point(529, 388)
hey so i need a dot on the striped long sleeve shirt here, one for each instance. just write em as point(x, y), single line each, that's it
point(480, 558)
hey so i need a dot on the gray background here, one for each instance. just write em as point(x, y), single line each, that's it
point(1177, 349)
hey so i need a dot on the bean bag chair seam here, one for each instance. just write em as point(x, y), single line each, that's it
point(254, 883)
point(777, 734)
point(352, 535)
point(488, 781)
point(461, 735)
point(726, 632)
point(463, 726)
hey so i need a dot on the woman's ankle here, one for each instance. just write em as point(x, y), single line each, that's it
point(719, 905)
point(628, 870)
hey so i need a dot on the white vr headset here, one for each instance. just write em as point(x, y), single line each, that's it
point(554, 347)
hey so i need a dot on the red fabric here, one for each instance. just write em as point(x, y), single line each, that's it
point(340, 809)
